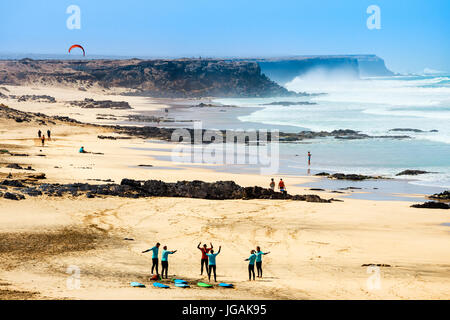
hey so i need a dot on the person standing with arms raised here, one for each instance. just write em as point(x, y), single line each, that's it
point(155, 251)
point(212, 263)
point(259, 255)
point(251, 265)
point(165, 261)
point(204, 261)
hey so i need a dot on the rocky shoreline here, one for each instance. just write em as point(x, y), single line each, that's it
point(219, 190)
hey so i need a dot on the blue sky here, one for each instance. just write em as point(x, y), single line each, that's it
point(414, 34)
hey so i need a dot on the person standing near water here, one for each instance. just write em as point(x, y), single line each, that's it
point(48, 134)
point(272, 184)
point(309, 158)
point(251, 265)
point(204, 261)
point(43, 140)
point(212, 263)
point(164, 260)
point(259, 255)
point(39, 134)
point(281, 186)
point(155, 250)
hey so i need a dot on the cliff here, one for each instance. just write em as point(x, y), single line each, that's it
point(157, 78)
point(283, 70)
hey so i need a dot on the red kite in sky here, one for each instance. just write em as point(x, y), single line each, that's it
point(77, 46)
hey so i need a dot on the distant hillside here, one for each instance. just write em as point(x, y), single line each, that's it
point(283, 70)
point(157, 78)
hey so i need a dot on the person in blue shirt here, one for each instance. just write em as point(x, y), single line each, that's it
point(155, 250)
point(251, 265)
point(212, 263)
point(164, 260)
point(259, 255)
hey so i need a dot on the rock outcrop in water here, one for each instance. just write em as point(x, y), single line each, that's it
point(412, 172)
point(156, 78)
point(443, 196)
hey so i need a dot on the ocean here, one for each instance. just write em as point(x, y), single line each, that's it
point(372, 106)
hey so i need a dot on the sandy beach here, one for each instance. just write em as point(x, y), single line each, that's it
point(318, 250)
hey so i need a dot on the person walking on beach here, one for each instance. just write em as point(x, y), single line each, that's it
point(281, 186)
point(259, 255)
point(212, 263)
point(164, 260)
point(39, 134)
point(251, 265)
point(49, 134)
point(272, 184)
point(204, 261)
point(309, 158)
point(43, 140)
point(155, 250)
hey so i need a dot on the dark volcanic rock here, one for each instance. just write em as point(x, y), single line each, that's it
point(13, 196)
point(432, 205)
point(322, 174)
point(443, 196)
point(411, 172)
point(353, 177)
point(219, 190)
point(13, 183)
point(106, 104)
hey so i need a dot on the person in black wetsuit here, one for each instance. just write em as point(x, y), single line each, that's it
point(155, 260)
point(251, 265)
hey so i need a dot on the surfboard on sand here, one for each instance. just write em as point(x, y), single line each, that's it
point(179, 281)
point(225, 285)
point(181, 285)
point(137, 284)
point(160, 285)
point(204, 285)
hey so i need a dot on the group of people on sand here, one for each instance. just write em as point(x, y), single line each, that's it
point(41, 136)
point(281, 185)
point(207, 262)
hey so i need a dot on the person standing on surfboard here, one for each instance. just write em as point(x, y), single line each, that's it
point(251, 265)
point(164, 260)
point(259, 255)
point(212, 263)
point(205, 250)
point(155, 250)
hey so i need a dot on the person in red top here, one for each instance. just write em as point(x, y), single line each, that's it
point(281, 186)
point(204, 260)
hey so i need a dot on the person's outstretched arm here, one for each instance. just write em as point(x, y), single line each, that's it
point(246, 259)
point(147, 250)
point(198, 246)
point(211, 245)
point(266, 253)
point(220, 247)
point(172, 252)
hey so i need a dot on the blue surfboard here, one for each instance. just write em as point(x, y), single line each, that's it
point(181, 285)
point(137, 284)
point(160, 285)
point(179, 281)
point(225, 285)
